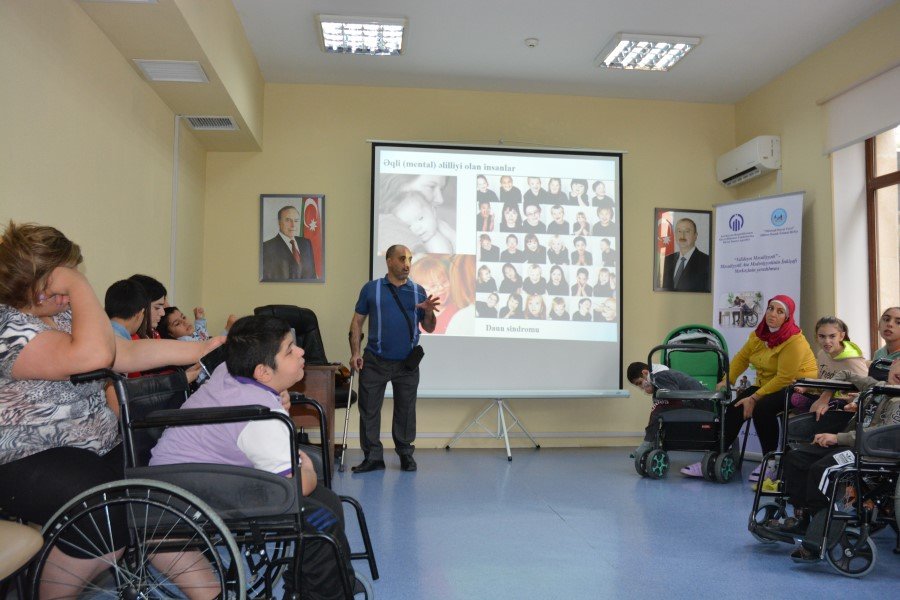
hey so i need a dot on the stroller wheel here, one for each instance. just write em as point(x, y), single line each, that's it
point(764, 514)
point(640, 462)
point(657, 464)
point(850, 557)
point(724, 468)
point(708, 465)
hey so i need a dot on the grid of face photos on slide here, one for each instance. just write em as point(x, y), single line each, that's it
point(548, 248)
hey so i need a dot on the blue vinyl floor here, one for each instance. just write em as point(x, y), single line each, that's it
point(577, 523)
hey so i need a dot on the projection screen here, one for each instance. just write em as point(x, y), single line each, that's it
point(523, 247)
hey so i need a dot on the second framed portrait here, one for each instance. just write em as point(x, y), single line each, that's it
point(292, 237)
point(681, 252)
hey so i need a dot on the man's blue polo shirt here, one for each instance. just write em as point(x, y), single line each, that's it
point(388, 330)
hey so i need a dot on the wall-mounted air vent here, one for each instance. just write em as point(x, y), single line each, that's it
point(181, 71)
point(212, 123)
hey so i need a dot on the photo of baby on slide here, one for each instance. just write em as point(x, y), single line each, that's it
point(418, 211)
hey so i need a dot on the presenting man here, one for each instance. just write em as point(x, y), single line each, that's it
point(397, 306)
point(287, 256)
point(688, 269)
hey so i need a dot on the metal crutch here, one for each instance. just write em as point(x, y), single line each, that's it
point(346, 422)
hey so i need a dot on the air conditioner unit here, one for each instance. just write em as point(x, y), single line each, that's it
point(757, 157)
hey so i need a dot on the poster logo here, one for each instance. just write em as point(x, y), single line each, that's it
point(779, 217)
point(736, 222)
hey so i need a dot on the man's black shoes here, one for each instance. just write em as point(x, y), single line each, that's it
point(407, 463)
point(368, 465)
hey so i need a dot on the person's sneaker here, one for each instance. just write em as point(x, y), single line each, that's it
point(802, 554)
point(795, 525)
point(754, 475)
point(769, 485)
point(694, 470)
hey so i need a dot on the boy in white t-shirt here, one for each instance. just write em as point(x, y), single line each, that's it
point(262, 362)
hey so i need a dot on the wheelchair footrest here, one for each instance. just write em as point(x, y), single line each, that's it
point(772, 534)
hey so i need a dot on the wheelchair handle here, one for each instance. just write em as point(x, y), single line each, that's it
point(201, 416)
point(298, 399)
point(721, 355)
point(824, 384)
point(94, 376)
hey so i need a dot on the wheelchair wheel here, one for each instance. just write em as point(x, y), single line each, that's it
point(169, 537)
point(763, 515)
point(724, 467)
point(657, 464)
point(850, 560)
point(640, 461)
point(751, 320)
point(708, 465)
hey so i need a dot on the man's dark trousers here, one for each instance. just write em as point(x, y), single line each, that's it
point(373, 378)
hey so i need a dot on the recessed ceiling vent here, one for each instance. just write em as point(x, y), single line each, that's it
point(199, 123)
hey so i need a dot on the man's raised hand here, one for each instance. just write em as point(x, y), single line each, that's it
point(429, 305)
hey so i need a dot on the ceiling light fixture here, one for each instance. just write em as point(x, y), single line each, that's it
point(642, 52)
point(373, 36)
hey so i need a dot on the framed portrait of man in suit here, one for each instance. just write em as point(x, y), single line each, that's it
point(682, 241)
point(292, 238)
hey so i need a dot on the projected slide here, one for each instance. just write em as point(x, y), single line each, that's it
point(522, 247)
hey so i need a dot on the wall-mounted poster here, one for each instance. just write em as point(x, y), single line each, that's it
point(292, 237)
point(681, 252)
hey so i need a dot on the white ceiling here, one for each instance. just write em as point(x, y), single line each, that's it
point(479, 44)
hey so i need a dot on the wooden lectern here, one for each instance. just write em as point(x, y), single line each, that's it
point(318, 384)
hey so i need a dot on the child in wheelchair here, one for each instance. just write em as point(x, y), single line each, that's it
point(805, 467)
point(638, 374)
point(836, 353)
point(261, 363)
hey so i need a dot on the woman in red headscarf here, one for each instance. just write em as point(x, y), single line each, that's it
point(780, 355)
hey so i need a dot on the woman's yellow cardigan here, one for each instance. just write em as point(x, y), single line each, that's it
point(776, 367)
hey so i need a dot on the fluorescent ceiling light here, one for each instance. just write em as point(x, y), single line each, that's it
point(122, 1)
point(642, 52)
point(184, 71)
point(375, 36)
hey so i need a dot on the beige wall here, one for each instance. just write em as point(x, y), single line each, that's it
point(787, 107)
point(219, 31)
point(316, 143)
point(87, 147)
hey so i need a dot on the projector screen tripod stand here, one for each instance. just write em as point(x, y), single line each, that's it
point(502, 430)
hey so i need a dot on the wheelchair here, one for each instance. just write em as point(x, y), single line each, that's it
point(698, 428)
point(192, 530)
point(872, 478)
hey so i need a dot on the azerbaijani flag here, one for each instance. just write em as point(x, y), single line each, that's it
point(665, 241)
point(312, 229)
point(665, 238)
